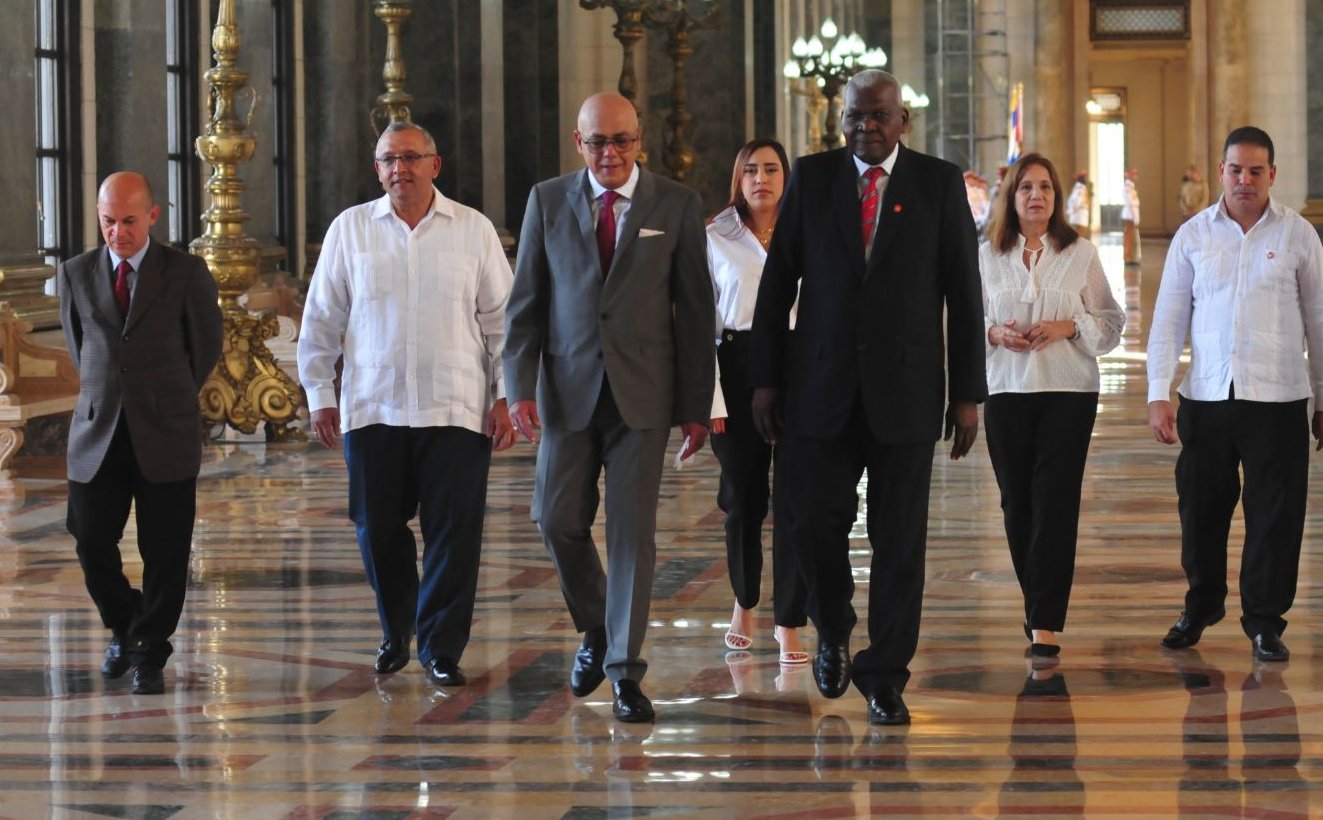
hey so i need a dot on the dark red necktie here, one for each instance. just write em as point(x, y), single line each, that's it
point(868, 203)
point(606, 230)
point(122, 287)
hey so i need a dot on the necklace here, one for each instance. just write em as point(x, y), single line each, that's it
point(764, 236)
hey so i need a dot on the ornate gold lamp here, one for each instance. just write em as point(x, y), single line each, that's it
point(247, 387)
point(392, 106)
point(628, 30)
point(677, 18)
point(830, 59)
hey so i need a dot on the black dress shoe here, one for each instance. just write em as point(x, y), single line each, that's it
point(392, 656)
point(1187, 631)
point(148, 681)
point(1269, 647)
point(444, 672)
point(631, 705)
point(831, 669)
point(587, 673)
point(1044, 650)
point(116, 661)
point(886, 708)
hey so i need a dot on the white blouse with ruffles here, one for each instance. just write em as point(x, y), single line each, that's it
point(1060, 285)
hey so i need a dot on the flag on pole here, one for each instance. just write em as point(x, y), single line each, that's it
point(1015, 125)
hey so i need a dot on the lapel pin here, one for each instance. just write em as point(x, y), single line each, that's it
point(896, 208)
point(1272, 255)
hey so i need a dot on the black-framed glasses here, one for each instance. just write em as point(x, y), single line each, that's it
point(621, 142)
point(407, 160)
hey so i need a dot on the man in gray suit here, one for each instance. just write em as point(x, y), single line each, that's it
point(144, 331)
point(611, 323)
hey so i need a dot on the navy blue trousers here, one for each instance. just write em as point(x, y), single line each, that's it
point(439, 474)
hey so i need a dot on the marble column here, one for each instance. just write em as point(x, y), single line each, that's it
point(18, 167)
point(1054, 107)
point(1228, 67)
point(532, 116)
point(907, 62)
point(1276, 98)
point(1314, 113)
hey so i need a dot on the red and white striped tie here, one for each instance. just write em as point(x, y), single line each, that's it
point(868, 204)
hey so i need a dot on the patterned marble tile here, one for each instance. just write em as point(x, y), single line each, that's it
point(272, 709)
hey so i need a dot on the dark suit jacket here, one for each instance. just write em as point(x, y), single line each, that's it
point(151, 365)
point(872, 332)
point(648, 325)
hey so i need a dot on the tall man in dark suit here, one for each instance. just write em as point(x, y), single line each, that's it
point(882, 241)
point(610, 322)
point(144, 331)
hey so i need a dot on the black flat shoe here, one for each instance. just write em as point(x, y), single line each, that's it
point(1268, 646)
point(147, 681)
point(631, 705)
point(587, 673)
point(887, 708)
point(392, 656)
point(444, 672)
point(831, 669)
point(116, 661)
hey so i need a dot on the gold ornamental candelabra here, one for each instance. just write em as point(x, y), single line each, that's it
point(678, 19)
point(829, 59)
point(247, 387)
point(393, 105)
point(628, 30)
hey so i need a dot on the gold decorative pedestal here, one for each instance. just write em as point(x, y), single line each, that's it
point(247, 387)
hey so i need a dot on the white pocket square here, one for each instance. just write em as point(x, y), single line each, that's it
point(644, 233)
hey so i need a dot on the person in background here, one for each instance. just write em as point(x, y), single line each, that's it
point(1130, 218)
point(1078, 205)
point(1049, 314)
point(1194, 192)
point(737, 240)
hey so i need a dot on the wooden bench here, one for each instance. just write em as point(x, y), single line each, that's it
point(35, 380)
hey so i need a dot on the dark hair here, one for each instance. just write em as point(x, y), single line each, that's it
point(1249, 135)
point(737, 200)
point(1004, 225)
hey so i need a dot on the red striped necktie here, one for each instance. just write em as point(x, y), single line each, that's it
point(869, 202)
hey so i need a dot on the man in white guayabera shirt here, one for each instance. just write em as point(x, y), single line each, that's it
point(1244, 280)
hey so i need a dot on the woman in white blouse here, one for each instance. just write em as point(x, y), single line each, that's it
point(737, 240)
point(1049, 314)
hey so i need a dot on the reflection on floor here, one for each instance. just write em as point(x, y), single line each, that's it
point(273, 711)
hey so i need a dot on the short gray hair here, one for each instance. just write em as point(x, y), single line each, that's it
point(405, 125)
point(871, 78)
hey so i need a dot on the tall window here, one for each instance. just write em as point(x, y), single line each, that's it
point(184, 166)
point(59, 163)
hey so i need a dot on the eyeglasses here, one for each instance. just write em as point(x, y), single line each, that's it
point(407, 160)
point(597, 145)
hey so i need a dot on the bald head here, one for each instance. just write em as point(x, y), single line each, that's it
point(608, 138)
point(126, 212)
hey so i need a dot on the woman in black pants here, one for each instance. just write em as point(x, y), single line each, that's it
point(738, 237)
point(1050, 314)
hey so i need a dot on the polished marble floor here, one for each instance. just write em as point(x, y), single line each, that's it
point(272, 709)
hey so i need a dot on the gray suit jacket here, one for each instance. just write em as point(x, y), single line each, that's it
point(648, 325)
point(151, 366)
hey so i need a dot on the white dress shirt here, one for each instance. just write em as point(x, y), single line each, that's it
point(1248, 300)
point(1077, 205)
point(418, 314)
point(621, 205)
point(1059, 286)
point(736, 259)
point(135, 262)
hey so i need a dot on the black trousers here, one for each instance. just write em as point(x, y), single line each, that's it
point(164, 512)
point(822, 490)
point(440, 474)
point(743, 495)
point(1270, 442)
point(1039, 443)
